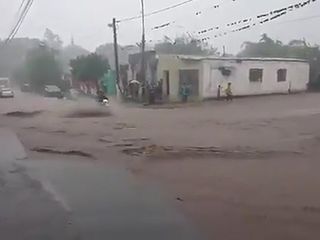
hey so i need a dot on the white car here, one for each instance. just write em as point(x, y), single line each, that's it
point(6, 93)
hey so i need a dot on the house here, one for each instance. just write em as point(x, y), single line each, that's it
point(204, 75)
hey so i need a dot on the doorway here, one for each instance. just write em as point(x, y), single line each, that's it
point(167, 82)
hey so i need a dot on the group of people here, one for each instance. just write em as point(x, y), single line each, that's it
point(185, 92)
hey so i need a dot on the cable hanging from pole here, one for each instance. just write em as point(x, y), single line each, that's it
point(155, 12)
point(25, 9)
point(260, 19)
point(198, 13)
point(245, 23)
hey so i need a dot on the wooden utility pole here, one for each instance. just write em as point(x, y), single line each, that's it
point(143, 49)
point(116, 55)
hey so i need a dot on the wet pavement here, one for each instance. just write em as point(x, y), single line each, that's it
point(77, 199)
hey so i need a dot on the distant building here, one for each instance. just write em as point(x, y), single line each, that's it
point(204, 75)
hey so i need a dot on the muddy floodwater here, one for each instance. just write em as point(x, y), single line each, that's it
point(242, 170)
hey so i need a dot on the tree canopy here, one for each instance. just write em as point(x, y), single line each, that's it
point(12, 54)
point(70, 52)
point(268, 47)
point(107, 51)
point(41, 68)
point(52, 40)
point(184, 45)
point(89, 68)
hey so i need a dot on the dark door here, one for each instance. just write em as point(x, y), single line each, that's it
point(190, 78)
point(167, 82)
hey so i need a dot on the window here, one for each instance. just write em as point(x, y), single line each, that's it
point(282, 75)
point(256, 75)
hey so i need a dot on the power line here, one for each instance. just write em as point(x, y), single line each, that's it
point(20, 19)
point(198, 13)
point(21, 5)
point(22, 16)
point(248, 27)
point(300, 19)
point(156, 12)
point(260, 19)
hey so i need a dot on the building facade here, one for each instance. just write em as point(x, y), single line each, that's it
point(248, 76)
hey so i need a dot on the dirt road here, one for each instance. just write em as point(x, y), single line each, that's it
point(242, 170)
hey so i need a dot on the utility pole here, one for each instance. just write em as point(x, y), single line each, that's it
point(116, 55)
point(143, 49)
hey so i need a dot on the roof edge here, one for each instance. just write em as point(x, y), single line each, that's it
point(201, 58)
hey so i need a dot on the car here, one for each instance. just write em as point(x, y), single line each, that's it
point(53, 91)
point(26, 87)
point(6, 93)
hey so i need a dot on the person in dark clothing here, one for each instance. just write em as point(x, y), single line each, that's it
point(159, 89)
point(219, 92)
point(101, 96)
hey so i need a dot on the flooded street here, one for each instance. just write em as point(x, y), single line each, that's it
point(159, 120)
point(240, 170)
point(106, 202)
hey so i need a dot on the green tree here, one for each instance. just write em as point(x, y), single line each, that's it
point(70, 52)
point(12, 54)
point(266, 47)
point(41, 68)
point(184, 45)
point(52, 40)
point(90, 68)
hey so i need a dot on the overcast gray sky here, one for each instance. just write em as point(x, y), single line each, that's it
point(87, 20)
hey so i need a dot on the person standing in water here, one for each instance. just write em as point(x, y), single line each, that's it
point(219, 92)
point(229, 93)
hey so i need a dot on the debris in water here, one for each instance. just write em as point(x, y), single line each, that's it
point(134, 151)
point(106, 139)
point(183, 152)
point(120, 126)
point(59, 131)
point(135, 139)
point(30, 128)
point(61, 152)
point(123, 145)
point(88, 113)
point(23, 114)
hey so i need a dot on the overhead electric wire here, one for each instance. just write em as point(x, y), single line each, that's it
point(267, 20)
point(156, 12)
point(20, 19)
point(21, 5)
point(300, 19)
point(197, 13)
point(22, 16)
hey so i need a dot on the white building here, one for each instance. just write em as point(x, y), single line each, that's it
point(249, 76)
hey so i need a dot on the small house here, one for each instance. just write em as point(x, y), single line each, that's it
point(206, 75)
